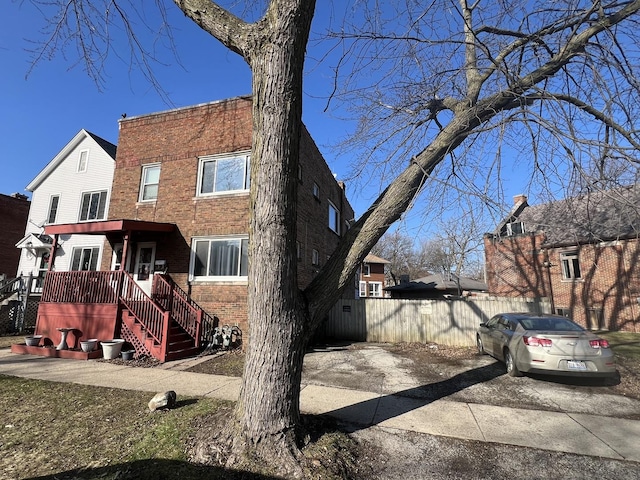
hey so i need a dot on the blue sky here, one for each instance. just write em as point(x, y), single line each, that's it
point(41, 113)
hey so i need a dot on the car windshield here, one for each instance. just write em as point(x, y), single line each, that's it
point(549, 323)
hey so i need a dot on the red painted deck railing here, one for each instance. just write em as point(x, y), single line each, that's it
point(107, 287)
point(81, 287)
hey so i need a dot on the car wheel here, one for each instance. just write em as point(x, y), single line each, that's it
point(512, 369)
point(480, 345)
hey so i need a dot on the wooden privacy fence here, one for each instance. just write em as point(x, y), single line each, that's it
point(447, 322)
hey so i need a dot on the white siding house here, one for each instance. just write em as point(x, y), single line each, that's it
point(74, 187)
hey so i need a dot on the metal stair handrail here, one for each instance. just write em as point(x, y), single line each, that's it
point(148, 313)
point(9, 286)
point(183, 310)
point(207, 322)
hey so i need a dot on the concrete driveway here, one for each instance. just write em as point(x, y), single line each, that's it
point(476, 379)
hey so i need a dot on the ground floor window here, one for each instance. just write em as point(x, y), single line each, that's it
point(85, 258)
point(219, 258)
point(375, 289)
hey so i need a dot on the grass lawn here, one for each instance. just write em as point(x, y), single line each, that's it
point(59, 431)
point(56, 430)
point(624, 344)
point(7, 341)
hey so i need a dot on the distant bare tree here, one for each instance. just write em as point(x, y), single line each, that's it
point(405, 258)
point(456, 248)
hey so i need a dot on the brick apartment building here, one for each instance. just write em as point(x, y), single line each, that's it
point(183, 145)
point(14, 213)
point(180, 206)
point(581, 253)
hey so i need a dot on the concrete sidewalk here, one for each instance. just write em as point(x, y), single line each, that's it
point(564, 432)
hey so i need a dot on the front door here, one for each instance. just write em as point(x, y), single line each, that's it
point(143, 270)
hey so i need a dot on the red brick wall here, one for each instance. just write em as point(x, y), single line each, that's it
point(313, 213)
point(14, 212)
point(609, 283)
point(176, 139)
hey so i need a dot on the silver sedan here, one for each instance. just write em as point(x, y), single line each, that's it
point(549, 344)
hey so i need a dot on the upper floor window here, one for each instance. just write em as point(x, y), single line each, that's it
point(220, 258)
point(334, 218)
point(570, 265)
point(366, 269)
point(53, 208)
point(316, 191)
point(315, 257)
point(363, 289)
point(83, 160)
point(223, 174)
point(93, 206)
point(85, 258)
point(149, 182)
point(515, 228)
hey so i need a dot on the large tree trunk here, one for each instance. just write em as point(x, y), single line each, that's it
point(268, 409)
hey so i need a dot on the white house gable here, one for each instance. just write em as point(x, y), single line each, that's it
point(75, 186)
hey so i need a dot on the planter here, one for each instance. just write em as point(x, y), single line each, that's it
point(111, 348)
point(89, 345)
point(32, 340)
point(128, 354)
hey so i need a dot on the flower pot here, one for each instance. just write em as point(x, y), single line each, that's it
point(128, 354)
point(111, 348)
point(89, 345)
point(32, 340)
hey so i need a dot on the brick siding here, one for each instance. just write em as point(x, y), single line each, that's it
point(14, 212)
point(176, 139)
point(609, 282)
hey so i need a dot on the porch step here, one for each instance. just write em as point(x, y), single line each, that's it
point(179, 343)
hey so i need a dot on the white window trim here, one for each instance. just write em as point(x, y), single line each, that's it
point(55, 218)
point(213, 158)
point(334, 212)
point(363, 289)
point(106, 206)
point(377, 291)
point(366, 270)
point(143, 184)
point(86, 163)
point(209, 279)
point(568, 257)
point(510, 229)
point(87, 247)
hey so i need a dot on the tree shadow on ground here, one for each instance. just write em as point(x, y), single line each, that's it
point(154, 470)
point(370, 412)
point(577, 380)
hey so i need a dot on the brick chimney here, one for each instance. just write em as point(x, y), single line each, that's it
point(520, 198)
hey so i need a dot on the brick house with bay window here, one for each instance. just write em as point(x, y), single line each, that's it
point(581, 253)
point(178, 227)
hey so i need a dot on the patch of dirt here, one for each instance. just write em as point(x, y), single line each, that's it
point(229, 363)
point(142, 362)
